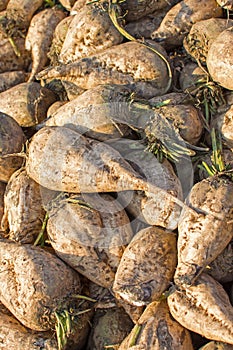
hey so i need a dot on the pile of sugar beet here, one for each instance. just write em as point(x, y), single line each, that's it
point(116, 192)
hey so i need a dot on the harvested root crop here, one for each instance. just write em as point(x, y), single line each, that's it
point(20, 12)
point(90, 235)
point(143, 27)
point(220, 59)
point(224, 123)
point(159, 209)
point(133, 311)
point(54, 107)
point(23, 211)
point(204, 234)
point(92, 114)
point(190, 76)
point(12, 141)
point(146, 267)
point(12, 330)
point(2, 191)
point(202, 35)
point(71, 90)
point(13, 58)
point(91, 31)
point(110, 327)
point(3, 4)
point(215, 345)
point(129, 63)
point(185, 118)
point(180, 18)
point(171, 98)
point(68, 3)
point(39, 37)
point(226, 4)
point(59, 35)
point(35, 284)
point(221, 269)
point(154, 210)
point(10, 79)
point(204, 308)
point(26, 103)
point(156, 329)
point(138, 9)
point(82, 165)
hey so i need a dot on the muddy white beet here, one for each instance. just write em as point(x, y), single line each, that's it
point(90, 31)
point(146, 267)
point(92, 114)
point(77, 164)
point(35, 284)
point(156, 330)
point(27, 103)
point(12, 140)
point(39, 37)
point(128, 63)
point(204, 308)
point(23, 210)
point(90, 235)
point(204, 233)
point(11, 329)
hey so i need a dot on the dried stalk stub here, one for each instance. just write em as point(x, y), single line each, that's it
point(207, 218)
point(146, 267)
point(204, 308)
point(12, 141)
point(156, 330)
point(34, 284)
point(90, 234)
point(202, 35)
point(90, 31)
point(23, 210)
